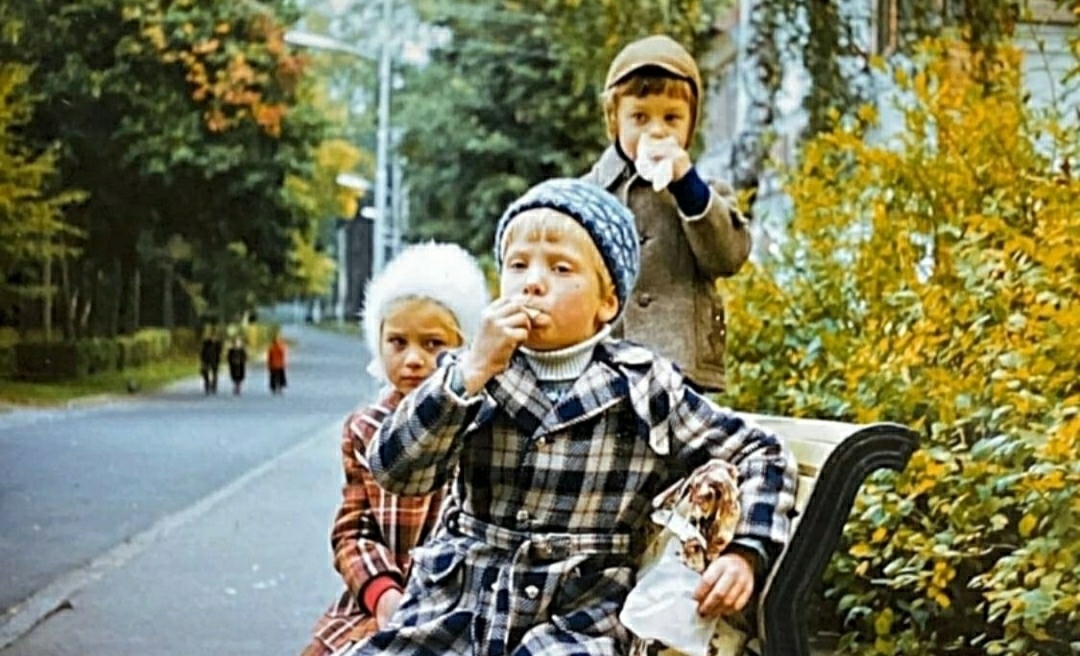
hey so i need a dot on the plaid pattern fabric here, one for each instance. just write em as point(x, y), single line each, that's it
point(373, 533)
point(588, 464)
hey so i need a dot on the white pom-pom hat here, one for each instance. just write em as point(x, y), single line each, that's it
point(444, 273)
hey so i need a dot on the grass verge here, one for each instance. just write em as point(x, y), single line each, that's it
point(144, 379)
point(344, 328)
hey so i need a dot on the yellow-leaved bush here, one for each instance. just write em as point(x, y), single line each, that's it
point(934, 281)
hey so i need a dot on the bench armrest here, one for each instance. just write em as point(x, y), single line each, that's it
point(783, 603)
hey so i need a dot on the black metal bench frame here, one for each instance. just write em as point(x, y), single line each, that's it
point(782, 628)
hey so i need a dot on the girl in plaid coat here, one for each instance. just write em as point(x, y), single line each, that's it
point(561, 437)
point(425, 301)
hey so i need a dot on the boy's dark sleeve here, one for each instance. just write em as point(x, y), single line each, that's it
point(717, 232)
point(700, 431)
point(418, 447)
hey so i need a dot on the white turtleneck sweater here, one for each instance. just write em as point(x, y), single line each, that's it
point(557, 370)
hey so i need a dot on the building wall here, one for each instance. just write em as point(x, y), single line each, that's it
point(730, 87)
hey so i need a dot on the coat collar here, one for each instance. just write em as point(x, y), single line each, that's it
point(604, 383)
point(612, 169)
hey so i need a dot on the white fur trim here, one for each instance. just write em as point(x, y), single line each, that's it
point(444, 273)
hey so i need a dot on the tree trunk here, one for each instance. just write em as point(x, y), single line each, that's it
point(69, 300)
point(47, 299)
point(134, 320)
point(168, 318)
point(114, 292)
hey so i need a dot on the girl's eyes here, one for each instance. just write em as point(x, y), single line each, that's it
point(673, 118)
point(516, 264)
point(396, 342)
point(562, 267)
point(435, 345)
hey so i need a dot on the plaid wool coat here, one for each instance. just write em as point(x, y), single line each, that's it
point(551, 499)
point(373, 532)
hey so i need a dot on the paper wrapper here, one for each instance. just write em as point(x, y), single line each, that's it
point(698, 515)
point(650, 166)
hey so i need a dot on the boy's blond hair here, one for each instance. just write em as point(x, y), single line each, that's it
point(552, 225)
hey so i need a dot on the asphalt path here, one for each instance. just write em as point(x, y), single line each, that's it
point(177, 523)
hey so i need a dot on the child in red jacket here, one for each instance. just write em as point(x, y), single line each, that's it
point(275, 362)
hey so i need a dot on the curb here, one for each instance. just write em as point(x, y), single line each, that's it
point(56, 596)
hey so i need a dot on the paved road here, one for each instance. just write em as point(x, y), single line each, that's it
point(177, 524)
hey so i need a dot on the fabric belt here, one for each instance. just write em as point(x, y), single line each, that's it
point(544, 546)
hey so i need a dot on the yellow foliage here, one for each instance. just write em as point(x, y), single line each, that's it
point(934, 281)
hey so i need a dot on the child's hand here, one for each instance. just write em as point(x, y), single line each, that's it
point(388, 603)
point(667, 149)
point(503, 327)
point(726, 585)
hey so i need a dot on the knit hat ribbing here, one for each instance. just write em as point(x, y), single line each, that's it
point(608, 222)
point(444, 273)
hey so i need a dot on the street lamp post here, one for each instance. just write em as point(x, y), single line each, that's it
point(382, 154)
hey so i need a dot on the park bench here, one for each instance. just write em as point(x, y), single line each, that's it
point(835, 458)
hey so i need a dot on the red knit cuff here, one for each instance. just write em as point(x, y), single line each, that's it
point(375, 589)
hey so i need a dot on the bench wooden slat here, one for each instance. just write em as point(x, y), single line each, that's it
point(802, 494)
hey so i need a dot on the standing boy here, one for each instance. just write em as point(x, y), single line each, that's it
point(690, 231)
point(560, 437)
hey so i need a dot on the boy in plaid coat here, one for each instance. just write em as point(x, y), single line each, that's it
point(561, 437)
point(425, 301)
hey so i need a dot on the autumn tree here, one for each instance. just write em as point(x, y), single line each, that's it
point(34, 235)
point(184, 121)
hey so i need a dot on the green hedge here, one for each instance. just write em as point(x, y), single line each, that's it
point(144, 347)
point(53, 361)
point(38, 361)
point(9, 337)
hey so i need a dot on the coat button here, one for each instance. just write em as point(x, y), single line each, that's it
point(644, 300)
point(532, 592)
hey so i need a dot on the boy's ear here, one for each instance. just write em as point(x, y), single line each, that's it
point(609, 308)
point(611, 115)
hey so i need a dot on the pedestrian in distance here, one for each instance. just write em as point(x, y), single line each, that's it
point(276, 356)
point(557, 438)
point(426, 301)
point(210, 359)
point(237, 358)
point(690, 229)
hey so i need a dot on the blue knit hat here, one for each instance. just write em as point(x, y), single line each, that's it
point(610, 224)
